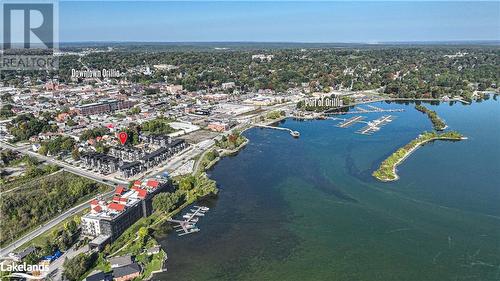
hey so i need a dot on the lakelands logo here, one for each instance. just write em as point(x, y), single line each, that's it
point(29, 35)
point(18, 270)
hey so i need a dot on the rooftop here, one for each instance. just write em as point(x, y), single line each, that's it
point(123, 198)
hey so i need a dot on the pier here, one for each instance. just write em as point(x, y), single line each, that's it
point(188, 225)
point(293, 133)
point(351, 121)
point(375, 125)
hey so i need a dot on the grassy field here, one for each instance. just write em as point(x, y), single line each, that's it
point(40, 201)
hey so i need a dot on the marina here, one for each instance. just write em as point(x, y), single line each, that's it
point(188, 225)
point(375, 125)
point(371, 126)
point(351, 121)
point(263, 203)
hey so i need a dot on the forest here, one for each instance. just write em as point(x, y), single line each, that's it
point(402, 71)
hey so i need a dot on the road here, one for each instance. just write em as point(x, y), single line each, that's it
point(56, 267)
point(48, 225)
point(70, 168)
point(172, 164)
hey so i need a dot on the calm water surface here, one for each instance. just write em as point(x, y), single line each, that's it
point(308, 208)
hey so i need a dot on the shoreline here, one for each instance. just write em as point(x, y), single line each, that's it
point(223, 154)
point(407, 154)
point(226, 152)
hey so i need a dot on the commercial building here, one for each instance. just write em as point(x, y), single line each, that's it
point(107, 220)
point(218, 126)
point(104, 106)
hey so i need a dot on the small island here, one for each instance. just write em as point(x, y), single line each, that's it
point(437, 122)
point(387, 170)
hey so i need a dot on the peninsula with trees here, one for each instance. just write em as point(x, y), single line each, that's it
point(387, 170)
point(437, 122)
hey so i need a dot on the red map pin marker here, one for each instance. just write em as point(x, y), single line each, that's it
point(123, 137)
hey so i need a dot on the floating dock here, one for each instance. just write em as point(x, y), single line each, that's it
point(374, 107)
point(375, 125)
point(351, 121)
point(188, 225)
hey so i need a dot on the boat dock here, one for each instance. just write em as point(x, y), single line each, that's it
point(351, 121)
point(375, 125)
point(188, 225)
point(293, 133)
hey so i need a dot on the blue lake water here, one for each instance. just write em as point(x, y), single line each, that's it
point(309, 209)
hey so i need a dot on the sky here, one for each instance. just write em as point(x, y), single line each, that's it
point(278, 21)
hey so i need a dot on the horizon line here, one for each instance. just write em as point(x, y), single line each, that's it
point(291, 42)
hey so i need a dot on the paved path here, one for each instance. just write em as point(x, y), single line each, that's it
point(56, 267)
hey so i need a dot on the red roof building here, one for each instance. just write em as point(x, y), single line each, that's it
point(117, 207)
point(118, 199)
point(141, 193)
point(97, 209)
point(119, 190)
point(153, 183)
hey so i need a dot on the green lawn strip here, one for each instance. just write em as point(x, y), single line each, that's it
point(156, 264)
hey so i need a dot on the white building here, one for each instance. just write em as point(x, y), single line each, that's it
point(262, 57)
point(228, 85)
